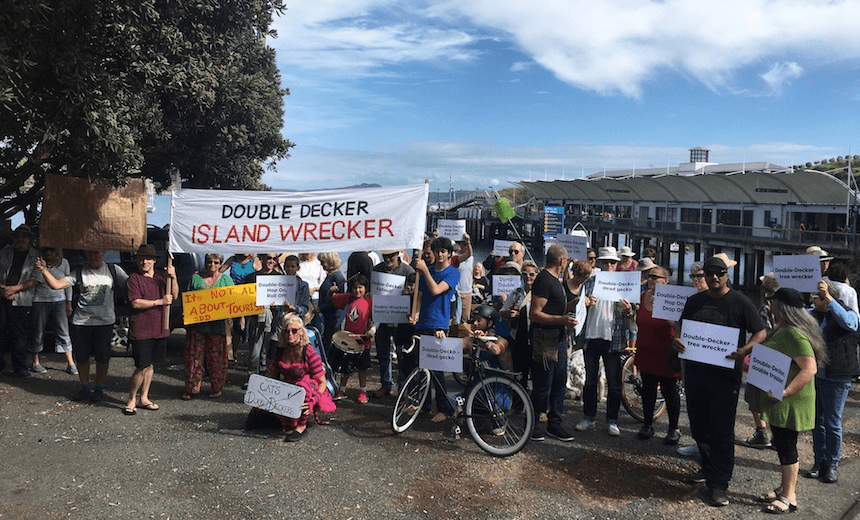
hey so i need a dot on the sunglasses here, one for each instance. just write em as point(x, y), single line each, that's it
point(697, 276)
point(216, 262)
point(609, 261)
point(514, 251)
point(269, 258)
point(530, 275)
point(293, 331)
point(718, 274)
point(592, 258)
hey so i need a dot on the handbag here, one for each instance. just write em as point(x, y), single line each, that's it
point(545, 344)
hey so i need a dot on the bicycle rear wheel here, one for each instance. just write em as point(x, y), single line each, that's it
point(410, 399)
point(499, 416)
point(631, 393)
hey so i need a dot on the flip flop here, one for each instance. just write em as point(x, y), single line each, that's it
point(149, 406)
point(777, 510)
point(129, 411)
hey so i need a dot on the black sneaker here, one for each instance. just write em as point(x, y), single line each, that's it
point(559, 433)
point(82, 395)
point(759, 440)
point(814, 471)
point(719, 498)
point(97, 395)
point(645, 433)
point(695, 478)
point(538, 434)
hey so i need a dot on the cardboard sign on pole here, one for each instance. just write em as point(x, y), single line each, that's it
point(79, 214)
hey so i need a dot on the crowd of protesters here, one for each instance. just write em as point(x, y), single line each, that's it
point(536, 324)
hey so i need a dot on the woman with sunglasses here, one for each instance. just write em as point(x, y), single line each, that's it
point(516, 311)
point(207, 341)
point(298, 363)
point(652, 351)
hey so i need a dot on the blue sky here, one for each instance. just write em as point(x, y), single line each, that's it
point(487, 92)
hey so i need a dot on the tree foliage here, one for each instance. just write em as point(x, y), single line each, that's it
point(111, 89)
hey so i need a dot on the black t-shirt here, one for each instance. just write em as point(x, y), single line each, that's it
point(548, 286)
point(18, 258)
point(732, 310)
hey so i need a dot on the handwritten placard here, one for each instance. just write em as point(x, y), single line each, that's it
point(800, 272)
point(386, 284)
point(275, 289)
point(708, 343)
point(220, 303)
point(576, 246)
point(444, 354)
point(669, 301)
point(453, 229)
point(768, 370)
point(505, 284)
point(275, 396)
point(500, 247)
point(391, 309)
point(611, 286)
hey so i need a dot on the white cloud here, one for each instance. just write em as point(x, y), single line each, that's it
point(780, 74)
point(610, 47)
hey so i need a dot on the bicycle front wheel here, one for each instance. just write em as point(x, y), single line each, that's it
point(410, 399)
point(631, 393)
point(499, 416)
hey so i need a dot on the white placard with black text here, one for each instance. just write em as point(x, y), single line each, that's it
point(800, 272)
point(613, 287)
point(768, 370)
point(669, 301)
point(275, 289)
point(443, 354)
point(708, 343)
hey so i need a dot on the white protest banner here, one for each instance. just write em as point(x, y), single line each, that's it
point(709, 343)
point(275, 396)
point(275, 289)
point(504, 284)
point(391, 309)
point(800, 272)
point(611, 286)
point(576, 246)
point(216, 221)
point(453, 229)
point(768, 370)
point(669, 301)
point(386, 284)
point(444, 354)
point(500, 247)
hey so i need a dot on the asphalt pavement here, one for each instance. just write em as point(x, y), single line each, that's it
point(193, 459)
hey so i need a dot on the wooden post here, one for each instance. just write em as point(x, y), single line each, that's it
point(168, 290)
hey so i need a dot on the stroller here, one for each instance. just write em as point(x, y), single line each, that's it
point(316, 340)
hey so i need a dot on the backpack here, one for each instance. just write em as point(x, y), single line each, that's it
point(121, 304)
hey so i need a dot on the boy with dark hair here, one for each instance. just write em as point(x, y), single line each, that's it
point(357, 321)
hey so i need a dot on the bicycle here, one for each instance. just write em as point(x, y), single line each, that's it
point(631, 390)
point(496, 411)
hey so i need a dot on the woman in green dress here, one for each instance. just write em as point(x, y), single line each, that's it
point(796, 335)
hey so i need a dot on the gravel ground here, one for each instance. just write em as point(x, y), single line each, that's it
point(193, 459)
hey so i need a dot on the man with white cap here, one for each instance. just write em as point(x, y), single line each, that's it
point(824, 257)
point(712, 391)
point(605, 335)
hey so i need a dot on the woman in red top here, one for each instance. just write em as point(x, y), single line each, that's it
point(150, 300)
point(301, 365)
point(652, 350)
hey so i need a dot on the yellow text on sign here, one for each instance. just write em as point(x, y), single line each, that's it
point(223, 302)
